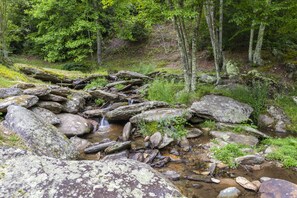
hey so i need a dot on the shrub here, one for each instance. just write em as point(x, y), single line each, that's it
point(76, 67)
point(97, 83)
point(144, 68)
point(164, 90)
point(285, 150)
point(99, 101)
point(228, 153)
point(119, 86)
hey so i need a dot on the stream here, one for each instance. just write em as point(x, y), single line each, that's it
point(195, 162)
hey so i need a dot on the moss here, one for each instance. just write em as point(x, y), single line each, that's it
point(12, 140)
point(284, 150)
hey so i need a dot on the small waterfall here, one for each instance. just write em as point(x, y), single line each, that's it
point(130, 101)
point(103, 123)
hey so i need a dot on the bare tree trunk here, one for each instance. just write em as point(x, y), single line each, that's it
point(99, 47)
point(257, 60)
point(209, 15)
point(221, 55)
point(251, 42)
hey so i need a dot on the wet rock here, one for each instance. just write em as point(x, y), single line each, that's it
point(246, 184)
point(94, 113)
point(119, 146)
point(165, 141)
point(99, 147)
point(75, 104)
point(155, 139)
point(54, 98)
point(160, 163)
point(38, 91)
point(257, 183)
point(51, 106)
point(24, 85)
point(172, 175)
point(235, 138)
point(127, 131)
point(194, 133)
point(95, 125)
point(46, 115)
point(278, 188)
point(104, 178)
point(79, 143)
point(200, 178)
point(214, 180)
point(222, 109)
point(107, 96)
point(174, 151)
point(185, 144)
point(156, 115)
point(150, 155)
point(72, 124)
point(126, 112)
point(137, 156)
point(8, 92)
point(130, 75)
point(26, 101)
point(250, 160)
point(231, 192)
point(42, 138)
point(198, 186)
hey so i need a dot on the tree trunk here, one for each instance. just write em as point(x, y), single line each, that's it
point(251, 43)
point(221, 56)
point(3, 32)
point(99, 47)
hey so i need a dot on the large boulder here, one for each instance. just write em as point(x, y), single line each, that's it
point(126, 112)
point(104, 95)
point(41, 137)
point(278, 188)
point(156, 115)
point(26, 101)
point(72, 124)
point(51, 106)
point(230, 137)
point(222, 109)
point(8, 92)
point(37, 91)
point(26, 175)
point(75, 104)
point(46, 115)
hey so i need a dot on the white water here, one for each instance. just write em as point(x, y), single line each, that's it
point(104, 123)
point(130, 101)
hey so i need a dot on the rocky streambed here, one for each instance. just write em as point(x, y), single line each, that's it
point(78, 147)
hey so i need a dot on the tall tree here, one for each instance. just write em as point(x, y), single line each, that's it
point(214, 19)
point(3, 31)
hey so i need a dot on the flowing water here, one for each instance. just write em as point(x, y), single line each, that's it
point(104, 124)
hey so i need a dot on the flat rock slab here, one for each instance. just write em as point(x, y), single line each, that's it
point(42, 138)
point(156, 115)
point(235, 138)
point(222, 109)
point(26, 101)
point(130, 75)
point(278, 188)
point(72, 124)
point(54, 107)
point(25, 175)
point(46, 115)
point(126, 112)
point(37, 91)
point(8, 92)
point(250, 160)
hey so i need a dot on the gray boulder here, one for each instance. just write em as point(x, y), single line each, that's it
point(60, 91)
point(130, 75)
point(42, 138)
point(53, 97)
point(49, 177)
point(278, 188)
point(230, 137)
point(46, 115)
point(75, 104)
point(127, 131)
point(281, 119)
point(104, 95)
point(51, 106)
point(8, 92)
point(250, 160)
point(24, 85)
point(156, 115)
point(26, 101)
point(222, 109)
point(126, 112)
point(72, 124)
point(231, 192)
point(79, 143)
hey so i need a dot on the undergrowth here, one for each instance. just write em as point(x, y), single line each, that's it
point(97, 83)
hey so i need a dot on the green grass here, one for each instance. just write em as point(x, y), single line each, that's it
point(97, 83)
point(11, 140)
point(228, 153)
point(290, 108)
point(99, 101)
point(285, 150)
point(209, 124)
point(119, 86)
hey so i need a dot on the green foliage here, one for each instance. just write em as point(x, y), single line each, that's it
point(164, 90)
point(97, 83)
point(119, 86)
point(144, 68)
point(290, 108)
point(11, 140)
point(209, 124)
point(228, 153)
point(285, 150)
point(76, 67)
point(173, 127)
point(99, 101)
